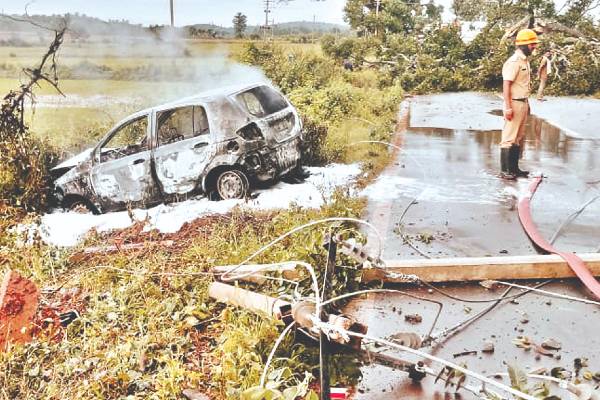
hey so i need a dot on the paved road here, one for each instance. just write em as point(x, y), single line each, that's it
point(449, 163)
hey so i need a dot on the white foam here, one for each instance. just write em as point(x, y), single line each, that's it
point(67, 229)
point(388, 187)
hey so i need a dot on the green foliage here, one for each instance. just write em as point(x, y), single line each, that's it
point(346, 48)
point(486, 57)
point(576, 69)
point(518, 378)
point(392, 16)
point(137, 336)
point(25, 179)
point(506, 13)
point(291, 70)
point(337, 107)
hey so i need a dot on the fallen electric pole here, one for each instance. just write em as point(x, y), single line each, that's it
point(481, 268)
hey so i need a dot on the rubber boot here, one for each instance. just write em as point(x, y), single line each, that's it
point(513, 157)
point(505, 164)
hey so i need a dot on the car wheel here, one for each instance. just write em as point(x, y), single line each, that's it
point(79, 206)
point(232, 184)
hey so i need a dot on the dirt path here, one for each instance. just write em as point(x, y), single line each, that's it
point(448, 167)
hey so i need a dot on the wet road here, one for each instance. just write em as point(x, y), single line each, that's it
point(448, 167)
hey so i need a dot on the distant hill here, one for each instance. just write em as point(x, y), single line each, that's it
point(77, 22)
point(285, 28)
point(83, 26)
point(299, 27)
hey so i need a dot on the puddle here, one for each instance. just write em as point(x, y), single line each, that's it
point(449, 165)
point(452, 174)
point(546, 318)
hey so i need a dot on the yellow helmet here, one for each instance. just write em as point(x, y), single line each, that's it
point(526, 36)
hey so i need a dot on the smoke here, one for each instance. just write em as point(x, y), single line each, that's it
point(143, 66)
point(175, 65)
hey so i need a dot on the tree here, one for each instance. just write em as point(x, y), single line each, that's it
point(239, 24)
point(503, 12)
point(390, 16)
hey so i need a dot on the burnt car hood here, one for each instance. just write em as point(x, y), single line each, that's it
point(80, 158)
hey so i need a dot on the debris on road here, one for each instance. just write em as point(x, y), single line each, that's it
point(465, 353)
point(413, 318)
point(488, 347)
point(551, 344)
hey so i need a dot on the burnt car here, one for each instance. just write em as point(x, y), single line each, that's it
point(220, 143)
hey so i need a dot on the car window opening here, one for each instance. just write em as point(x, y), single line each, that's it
point(261, 101)
point(181, 123)
point(127, 140)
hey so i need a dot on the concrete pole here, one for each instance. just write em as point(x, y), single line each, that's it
point(377, 3)
point(172, 14)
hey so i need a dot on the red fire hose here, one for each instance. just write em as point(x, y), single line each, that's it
point(574, 262)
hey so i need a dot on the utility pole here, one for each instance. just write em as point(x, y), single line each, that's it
point(267, 11)
point(172, 15)
point(377, 3)
point(266, 28)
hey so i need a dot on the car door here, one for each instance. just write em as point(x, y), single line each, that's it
point(121, 173)
point(184, 147)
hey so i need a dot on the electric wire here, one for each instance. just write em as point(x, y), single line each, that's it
point(404, 237)
point(428, 371)
point(552, 294)
point(572, 217)
point(263, 376)
point(359, 292)
point(225, 277)
point(446, 333)
point(449, 332)
point(421, 354)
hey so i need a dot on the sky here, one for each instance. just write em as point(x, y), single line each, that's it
point(187, 12)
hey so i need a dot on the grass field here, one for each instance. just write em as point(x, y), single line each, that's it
point(125, 54)
point(91, 106)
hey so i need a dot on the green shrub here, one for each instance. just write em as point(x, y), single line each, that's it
point(25, 179)
point(346, 48)
point(289, 70)
point(330, 100)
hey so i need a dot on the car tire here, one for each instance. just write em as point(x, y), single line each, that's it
point(79, 206)
point(232, 184)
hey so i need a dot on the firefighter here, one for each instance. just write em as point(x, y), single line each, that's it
point(516, 74)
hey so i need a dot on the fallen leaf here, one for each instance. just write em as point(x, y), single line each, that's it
point(543, 351)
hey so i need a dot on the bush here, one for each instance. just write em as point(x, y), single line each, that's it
point(346, 48)
point(25, 179)
point(355, 105)
point(289, 70)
